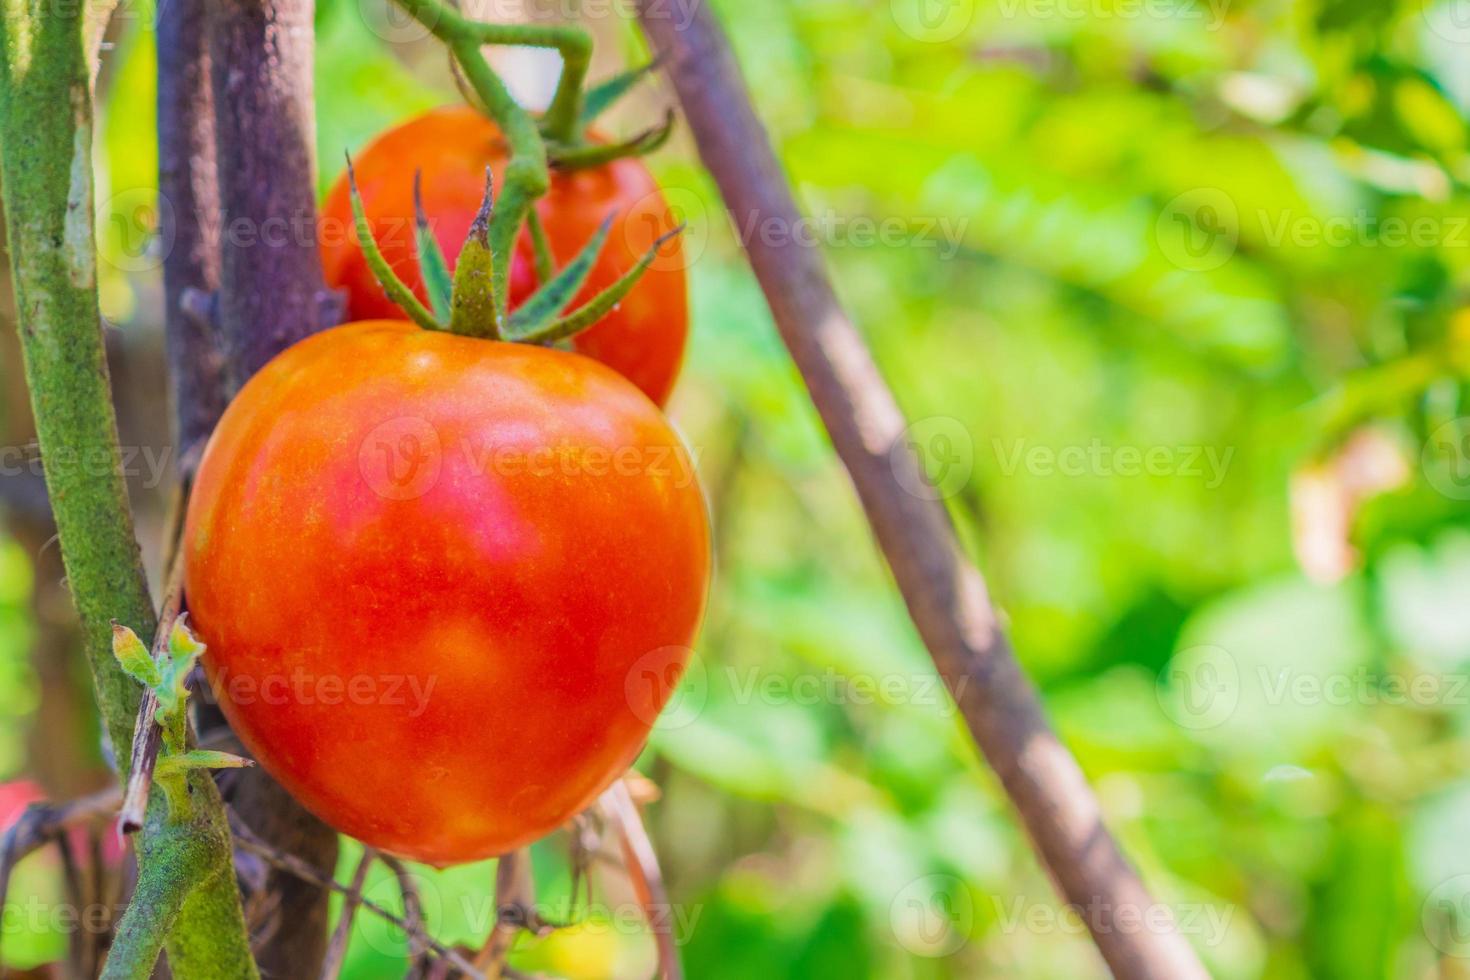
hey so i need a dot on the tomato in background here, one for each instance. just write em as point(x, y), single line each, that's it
point(642, 338)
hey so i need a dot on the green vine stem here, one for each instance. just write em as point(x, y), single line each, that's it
point(186, 871)
point(185, 897)
point(563, 115)
point(139, 937)
point(45, 165)
point(45, 168)
point(526, 175)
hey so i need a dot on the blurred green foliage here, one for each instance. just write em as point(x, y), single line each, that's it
point(1139, 268)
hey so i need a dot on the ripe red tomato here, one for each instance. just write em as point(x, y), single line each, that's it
point(445, 584)
point(643, 338)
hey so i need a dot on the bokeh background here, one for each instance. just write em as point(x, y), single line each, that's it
point(1173, 291)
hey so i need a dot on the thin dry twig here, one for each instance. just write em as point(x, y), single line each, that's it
point(45, 823)
point(413, 914)
point(515, 897)
point(147, 736)
point(42, 823)
point(71, 874)
point(946, 596)
point(584, 845)
point(98, 938)
point(337, 947)
point(648, 878)
point(245, 838)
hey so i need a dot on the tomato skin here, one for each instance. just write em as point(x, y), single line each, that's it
point(442, 638)
point(643, 338)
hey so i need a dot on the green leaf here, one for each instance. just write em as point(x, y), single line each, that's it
point(181, 640)
point(549, 301)
point(132, 653)
point(171, 688)
point(169, 765)
point(392, 285)
point(472, 305)
point(432, 264)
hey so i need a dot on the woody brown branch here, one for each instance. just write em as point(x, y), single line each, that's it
point(235, 133)
point(946, 596)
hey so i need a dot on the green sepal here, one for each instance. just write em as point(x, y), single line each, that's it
point(472, 311)
point(600, 97)
point(432, 265)
point(551, 299)
point(598, 306)
point(580, 156)
point(399, 293)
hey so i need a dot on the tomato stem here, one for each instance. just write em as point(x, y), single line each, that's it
point(480, 302)
point(545, 262)
point(46, 57)
point(572, 43)
point(526, 177)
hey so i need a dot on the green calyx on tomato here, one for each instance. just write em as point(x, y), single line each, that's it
point(644, 337)
point(465, 303)
point(558, 181)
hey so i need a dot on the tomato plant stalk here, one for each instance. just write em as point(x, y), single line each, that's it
point(256, 60)
point(186, 894)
